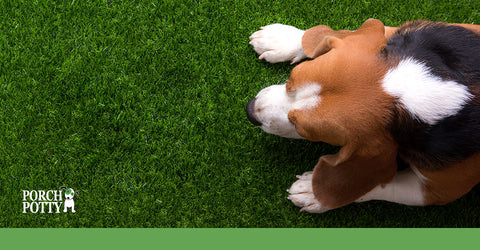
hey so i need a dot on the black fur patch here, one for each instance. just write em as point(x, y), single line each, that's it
point(451, 53)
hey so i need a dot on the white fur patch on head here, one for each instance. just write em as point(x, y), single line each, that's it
point(425, 96)
point(273, 104)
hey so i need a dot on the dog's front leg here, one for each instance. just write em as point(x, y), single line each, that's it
point(301, 194)
point(278, 43)
point(407, 187)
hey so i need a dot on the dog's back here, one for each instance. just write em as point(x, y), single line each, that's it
point(450, 56)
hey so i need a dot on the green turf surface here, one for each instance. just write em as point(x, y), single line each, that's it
point(139, 105)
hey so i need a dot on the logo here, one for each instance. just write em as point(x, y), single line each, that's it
point(69, 202)
point(50, 201)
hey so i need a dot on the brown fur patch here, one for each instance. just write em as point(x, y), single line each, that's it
point(449, 184)
point(343, 178)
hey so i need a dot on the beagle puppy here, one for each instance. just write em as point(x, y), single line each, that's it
point(381, 93)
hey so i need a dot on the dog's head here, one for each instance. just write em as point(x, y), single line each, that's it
point(336, 97)
point(325, 95)
point(69, 192)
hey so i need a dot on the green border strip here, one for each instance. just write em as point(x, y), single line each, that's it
point(239, 238)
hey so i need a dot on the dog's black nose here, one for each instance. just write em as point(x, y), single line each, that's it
point(250, 110)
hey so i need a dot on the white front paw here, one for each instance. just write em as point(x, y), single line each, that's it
point(301, 194)
point(278, 43)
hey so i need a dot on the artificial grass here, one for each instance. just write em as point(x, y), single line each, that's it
point(139, 105)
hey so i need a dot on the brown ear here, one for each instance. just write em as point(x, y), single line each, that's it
point(343, 178)
point(320, 39)
point(372, 25)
